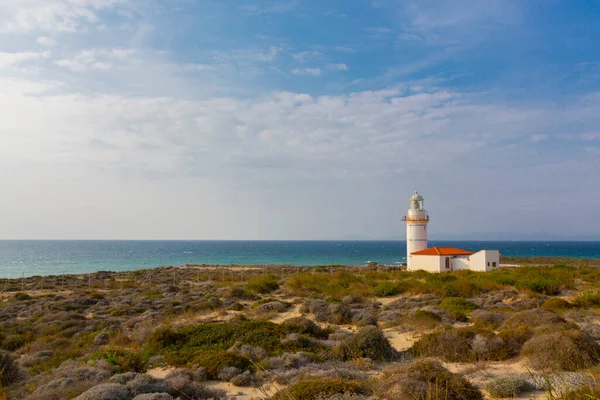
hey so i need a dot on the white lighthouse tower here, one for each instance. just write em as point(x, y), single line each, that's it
point(416, 227)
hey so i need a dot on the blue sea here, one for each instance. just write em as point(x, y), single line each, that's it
point(30, 258)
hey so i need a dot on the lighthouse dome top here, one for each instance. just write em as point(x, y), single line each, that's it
point(417, 202)
point(416, 196)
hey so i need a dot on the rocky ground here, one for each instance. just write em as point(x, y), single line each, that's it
point(202, 332)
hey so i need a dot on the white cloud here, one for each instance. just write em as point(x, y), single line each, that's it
point(100, 59)
point(11, 59)
point(538, 137)
point(338, 67)
point(307, 55)
point(307, 71)
point(46, 41)
point(51, 15)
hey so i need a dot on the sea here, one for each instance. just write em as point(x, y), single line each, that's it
point(32, 258)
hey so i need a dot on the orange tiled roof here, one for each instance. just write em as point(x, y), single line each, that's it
point(442, 251)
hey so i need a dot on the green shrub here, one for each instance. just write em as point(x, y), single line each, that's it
point(584, 393)
point(425, 380)
point(13, 343)
point(457, 304)
point(238, 292)
point(589, 298)
point(262, 285)
point(9, 371)
point(125, 360)
point(563, 350)
point(22, 296)
point(427, 315)
point(419, 320)
point(220, 336)
point(533, 318)
point(545, 280)
point(368, 342)
point(556, 303)
point(514, 338)
point(306, 326)
point(260, 302)
point(214, 362)
point(452, 345)
point(153, 294)
point(508, 386)
point(388, 288)
point(319, 388)
point(487, 320)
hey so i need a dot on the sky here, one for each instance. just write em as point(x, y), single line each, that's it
point(192, 119)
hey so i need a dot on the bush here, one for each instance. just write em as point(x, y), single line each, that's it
point(305, 326)
point(420, 320)
point(13, 343)
point(22, 296)
point(589, 298)
point(340, 314)
point(369, 342)
point(125, 361)
point(9, 371)
point(457, 304)
point(586, 393)
point(388, 288)
point(426, 379)
point(533, 319)
point(507, 386)
point(262, 285)
point(556, 303)
point(180, 345)
point(452, 345)
point(514, 338)
point(487, 320)
point(564, 350)
point(318, 388)
point(214, 362)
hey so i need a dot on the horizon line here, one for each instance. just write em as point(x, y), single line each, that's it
point(296, 240)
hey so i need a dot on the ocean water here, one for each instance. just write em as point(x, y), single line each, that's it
point(30, 258)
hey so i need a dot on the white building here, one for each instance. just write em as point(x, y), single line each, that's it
point(439, 259)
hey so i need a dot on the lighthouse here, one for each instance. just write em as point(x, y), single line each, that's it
point(416, 227)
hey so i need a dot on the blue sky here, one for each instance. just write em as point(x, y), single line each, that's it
point(188, 119)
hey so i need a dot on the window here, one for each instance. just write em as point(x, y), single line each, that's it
point(494, 264)
point(447, 263)
point(488, 263)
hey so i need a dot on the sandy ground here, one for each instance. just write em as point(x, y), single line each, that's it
point(478, 373)
point(401, 341)
point(239, 393)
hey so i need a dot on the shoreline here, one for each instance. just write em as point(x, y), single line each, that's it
point(505, 262)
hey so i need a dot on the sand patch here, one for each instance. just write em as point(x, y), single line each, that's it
point(293, 311)
point(243, 393)
point(401, 341)
point(160, 372)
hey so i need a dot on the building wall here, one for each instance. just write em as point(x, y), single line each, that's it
point(428, 263)
point(485, 260)
point(416, 239)
point(459, 263)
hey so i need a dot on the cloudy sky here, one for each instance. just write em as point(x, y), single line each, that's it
point(206, 119)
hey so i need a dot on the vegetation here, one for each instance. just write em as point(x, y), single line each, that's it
point(368, 342)
point(319, 388)
point(101, 332)
point(508, 386)
point(427, 380)
point(262, 285)
point(568, 350)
